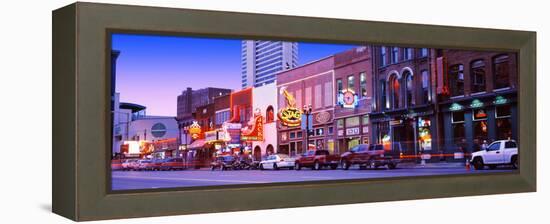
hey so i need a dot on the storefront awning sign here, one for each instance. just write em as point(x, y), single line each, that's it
point(476, 103)
point(500, 100)
point(455, 107)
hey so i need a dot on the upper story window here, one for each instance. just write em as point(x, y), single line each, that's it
point(407, 53)
point(383, 99)
point(269, 115)
point(477, 76)
point(339, 86)
point(363, 84)
point(409, 86)
point(501, 72)
point(456, 80)
point(394, 55)
point(424, 52)
point(351, 83)
point(425, 86)
point(383, 56)
point(395, 95)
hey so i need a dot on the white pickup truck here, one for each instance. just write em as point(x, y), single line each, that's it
point(502, 152)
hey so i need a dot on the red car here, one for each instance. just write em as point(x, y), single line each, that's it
point(317, 159)
point(372, 155)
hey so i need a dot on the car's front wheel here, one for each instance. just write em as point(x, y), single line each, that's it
point(392, 166)
point(275, 167)
point(261, 166)
point(345, 164)
point(316, 165)
point(515, 164)
point(297, 166)
point(478, 163)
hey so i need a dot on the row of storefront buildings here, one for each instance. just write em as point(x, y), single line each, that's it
point(421, 101)
point(417, 100)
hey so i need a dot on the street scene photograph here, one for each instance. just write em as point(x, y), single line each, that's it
point(199, 111)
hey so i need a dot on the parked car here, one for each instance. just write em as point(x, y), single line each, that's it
point(116, 164)
point(317, 159)
point(128, 164)
point(370, 155)
point(502, 152)
point(224, 162)
point(143, 164)
point(172, 164)
point(277, 161)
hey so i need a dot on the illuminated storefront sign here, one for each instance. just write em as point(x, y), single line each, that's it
point(476, 103)
point(195, 130)
point(424, 135)
point(231, 133)
point(256, 132)
point(455, 107)
point(289, 116)
point(348, 99)
point(500, 100)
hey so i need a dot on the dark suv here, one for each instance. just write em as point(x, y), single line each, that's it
point(370, 155)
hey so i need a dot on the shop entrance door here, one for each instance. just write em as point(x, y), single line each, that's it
point(403, 139)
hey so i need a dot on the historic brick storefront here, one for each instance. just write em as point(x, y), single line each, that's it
point(404, 116)
point(478, 97)
point(310, 85)
point(353, 81)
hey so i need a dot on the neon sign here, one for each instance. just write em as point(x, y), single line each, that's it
point(348, 99)
point(455, 107)
point(476, 103)
point(500, 100)
point(195, 130)
point(289, 116)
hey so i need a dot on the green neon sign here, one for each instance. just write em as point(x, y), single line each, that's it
point(455, 107)
point(500, 100)
point(476, 103)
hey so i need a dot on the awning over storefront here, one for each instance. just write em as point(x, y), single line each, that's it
point(199, 143)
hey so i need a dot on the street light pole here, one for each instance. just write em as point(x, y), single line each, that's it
point(307, 112)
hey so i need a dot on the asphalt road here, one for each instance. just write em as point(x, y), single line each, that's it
point(126, 180)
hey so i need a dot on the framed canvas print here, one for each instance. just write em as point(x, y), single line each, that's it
point(202, 111)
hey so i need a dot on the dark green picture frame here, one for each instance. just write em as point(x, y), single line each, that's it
point(81, 136)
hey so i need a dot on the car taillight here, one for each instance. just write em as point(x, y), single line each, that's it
point(401, 155)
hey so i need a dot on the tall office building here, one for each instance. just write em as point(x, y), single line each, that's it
point(262, 60)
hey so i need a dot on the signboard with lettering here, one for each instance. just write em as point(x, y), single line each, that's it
point(289, 116)
point(255, 132)
point(352, 131)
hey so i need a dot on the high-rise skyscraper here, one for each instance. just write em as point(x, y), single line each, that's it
point(262, 60)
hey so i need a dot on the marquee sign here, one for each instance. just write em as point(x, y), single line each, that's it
point(289, 116)
point(256, 133)
point(195, 130)
point(348, 99)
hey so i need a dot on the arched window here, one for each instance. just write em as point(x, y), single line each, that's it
point(425, 86)
point(501, 72)
point(409, 86)
point(456, 80)
point(395, 86)
point(269, 114)
point(477, 76)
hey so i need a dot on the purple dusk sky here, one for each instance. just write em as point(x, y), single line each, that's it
point(154, 70)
